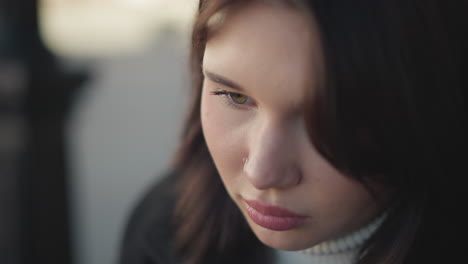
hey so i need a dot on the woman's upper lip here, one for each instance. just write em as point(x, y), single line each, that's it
point(272, 210)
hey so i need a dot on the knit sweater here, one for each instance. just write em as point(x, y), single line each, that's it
point(343, 250)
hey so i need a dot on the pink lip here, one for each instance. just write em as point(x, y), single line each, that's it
point(273, 217)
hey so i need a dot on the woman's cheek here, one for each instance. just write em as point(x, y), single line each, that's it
point(215, 119)
point(225, 133)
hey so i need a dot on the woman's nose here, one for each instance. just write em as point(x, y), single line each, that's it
point(272, 162)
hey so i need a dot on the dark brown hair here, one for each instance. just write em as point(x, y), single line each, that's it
point(391, 110)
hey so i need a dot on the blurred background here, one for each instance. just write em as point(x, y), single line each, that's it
point(92, 99)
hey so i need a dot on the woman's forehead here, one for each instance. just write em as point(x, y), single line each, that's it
point(266, 49)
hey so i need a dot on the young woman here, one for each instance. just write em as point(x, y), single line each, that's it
point(320, 131)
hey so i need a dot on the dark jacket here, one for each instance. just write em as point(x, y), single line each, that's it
point(148, 238)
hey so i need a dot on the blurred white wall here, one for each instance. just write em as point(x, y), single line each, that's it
point(97, 28)
point(127, 121)
point(122, 135)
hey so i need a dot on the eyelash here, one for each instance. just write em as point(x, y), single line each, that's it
point(227, 99)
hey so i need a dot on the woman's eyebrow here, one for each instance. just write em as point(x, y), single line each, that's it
point(222, 80)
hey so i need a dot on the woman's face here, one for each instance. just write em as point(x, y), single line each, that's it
point(257, 68)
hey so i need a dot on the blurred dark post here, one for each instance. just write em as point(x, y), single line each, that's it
point(12, 86)
point(35, 99)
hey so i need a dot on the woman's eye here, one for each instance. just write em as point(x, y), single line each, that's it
point(237, 98)
point(234, 99)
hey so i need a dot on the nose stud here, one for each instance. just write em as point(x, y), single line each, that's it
point(245, 160)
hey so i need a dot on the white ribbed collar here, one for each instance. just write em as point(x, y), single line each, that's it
point(349, 242)
point(343, 250)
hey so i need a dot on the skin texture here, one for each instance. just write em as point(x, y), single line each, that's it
point(273, 53)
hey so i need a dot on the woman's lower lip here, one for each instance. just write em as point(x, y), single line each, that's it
point(275, 223)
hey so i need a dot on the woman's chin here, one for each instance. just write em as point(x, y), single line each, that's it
point(290, 240)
